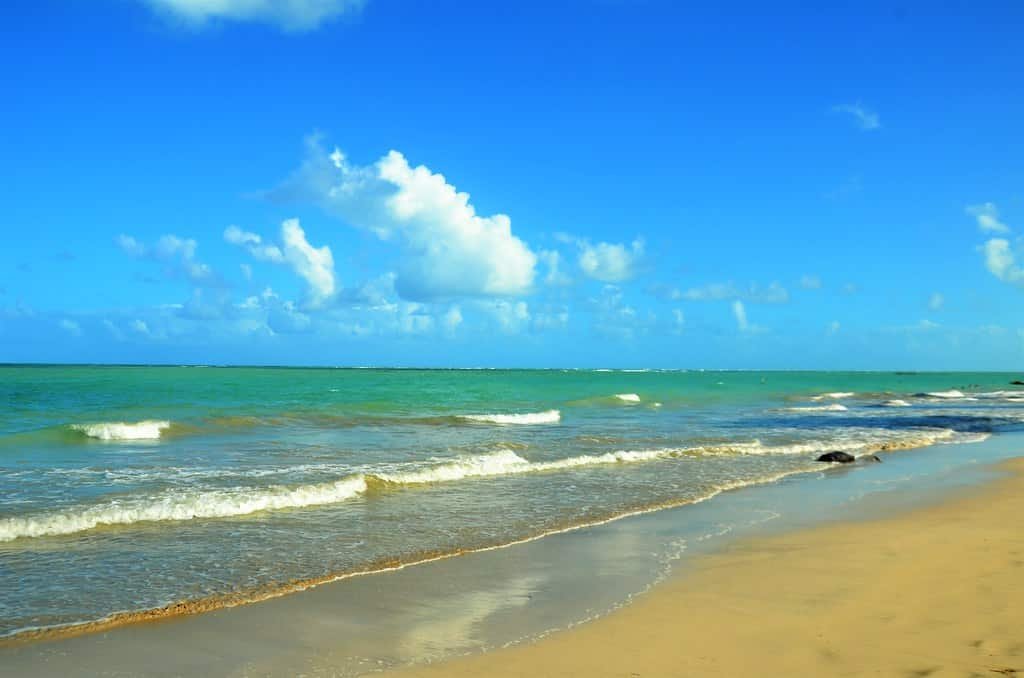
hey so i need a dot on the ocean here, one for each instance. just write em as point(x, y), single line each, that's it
point(141, 491)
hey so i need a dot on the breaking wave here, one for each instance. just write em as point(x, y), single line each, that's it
point(835, 395)
point(178, 505)
point(628, 397)
point(952, 393)
point(547, 417)
point(119, 430)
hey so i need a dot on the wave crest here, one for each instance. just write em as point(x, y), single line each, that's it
point(119, 430)
point(181, 506)
point(526, 418)
point(835, 395)
point(178, 505)
point(951, 393)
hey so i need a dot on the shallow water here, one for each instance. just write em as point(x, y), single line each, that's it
point(487, 599)
point(131, 488)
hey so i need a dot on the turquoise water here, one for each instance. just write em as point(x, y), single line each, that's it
point(129, 488)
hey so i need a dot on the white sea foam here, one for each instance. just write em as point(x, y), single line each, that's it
point(1012, 396)
point(952, 393)
point(834, 407)
point(862, 441)
point(119, 430)
point(178, 505)
point(187, 505)
point(503, 462)
point(896, 403)
point(547, 417)
point(835, 395)
point(507, 462)
point(628, 397)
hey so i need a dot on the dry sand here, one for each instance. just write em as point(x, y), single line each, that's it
point(938, 591)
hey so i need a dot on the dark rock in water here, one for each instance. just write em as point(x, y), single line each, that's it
point(1017, 382)
point(873, 457)
point(838, 457)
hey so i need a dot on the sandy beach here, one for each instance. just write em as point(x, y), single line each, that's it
point(938, 591)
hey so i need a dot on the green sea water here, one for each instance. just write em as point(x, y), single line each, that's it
point(130, 488)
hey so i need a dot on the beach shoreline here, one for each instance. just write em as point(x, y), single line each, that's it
point(435, 618)
point(933, 591)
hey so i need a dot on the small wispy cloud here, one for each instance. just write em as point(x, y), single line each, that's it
point(740, 312)
point(774, 293)
point(289, 15)
point(848, 188)
point(987, 215)
point(810, 282)
point(253, 244)
point(865, 118)
point(178, 255)
point(71, 327)
point(555, 277)
point(936, 302)
point(1001, 261)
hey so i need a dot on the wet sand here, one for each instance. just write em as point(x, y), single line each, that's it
point(936, 591)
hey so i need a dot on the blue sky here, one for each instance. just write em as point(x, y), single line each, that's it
point(577, 183)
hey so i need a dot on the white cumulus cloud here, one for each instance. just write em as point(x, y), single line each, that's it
point(253, 244)
point(291, 15)
point(449, 251)
point(610, 262)
point(314, 264)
